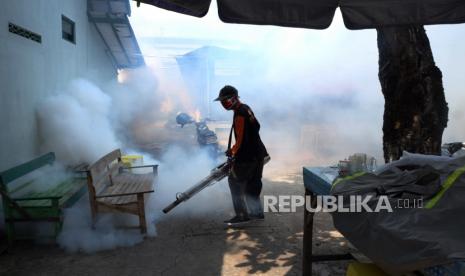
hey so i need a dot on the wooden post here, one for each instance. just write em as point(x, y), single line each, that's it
point(141, 207)
point(56, 209)
point(92, 199)
point(10, 231)
point(308, 235)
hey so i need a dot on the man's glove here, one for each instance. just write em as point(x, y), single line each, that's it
point(228, 153)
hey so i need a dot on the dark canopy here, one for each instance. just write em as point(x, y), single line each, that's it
point(318, 14)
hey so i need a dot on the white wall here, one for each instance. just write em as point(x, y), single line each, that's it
point(30, 71)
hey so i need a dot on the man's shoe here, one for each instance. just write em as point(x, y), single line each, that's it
point(257, 217)
point(237, 220)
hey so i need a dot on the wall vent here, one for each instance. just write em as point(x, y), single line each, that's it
point(15, 29)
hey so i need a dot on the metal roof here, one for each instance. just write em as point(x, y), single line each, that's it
point(110, 17)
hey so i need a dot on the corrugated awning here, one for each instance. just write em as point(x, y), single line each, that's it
point(318, 14)
point(110, 19)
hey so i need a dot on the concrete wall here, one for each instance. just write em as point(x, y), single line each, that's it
point(29, 71)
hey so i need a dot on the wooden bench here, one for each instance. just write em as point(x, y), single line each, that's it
point(113, 188)
point(19, 205)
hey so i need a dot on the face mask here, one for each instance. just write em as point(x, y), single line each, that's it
point(228, 104)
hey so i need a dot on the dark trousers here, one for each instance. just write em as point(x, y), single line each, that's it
point(245, 183)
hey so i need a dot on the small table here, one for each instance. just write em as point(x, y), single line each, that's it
point(317, 181)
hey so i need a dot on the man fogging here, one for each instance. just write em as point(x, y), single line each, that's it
point(244, 166)
point(247, 155)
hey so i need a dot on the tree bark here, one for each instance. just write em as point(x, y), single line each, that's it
point(415, 112)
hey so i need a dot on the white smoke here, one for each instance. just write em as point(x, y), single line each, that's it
point(39, 180)
point(324, 81)
point(78, 235)
point(179, 170)
point(146, 105)
point(317, 102)
point(316, 94)
point(84, 123)
point(75, 124)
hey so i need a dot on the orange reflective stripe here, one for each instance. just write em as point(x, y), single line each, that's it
point(239, 125)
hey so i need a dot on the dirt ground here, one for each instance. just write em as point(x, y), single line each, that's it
point(198, 246)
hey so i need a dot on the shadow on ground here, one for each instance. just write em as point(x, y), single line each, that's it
point(197, 245)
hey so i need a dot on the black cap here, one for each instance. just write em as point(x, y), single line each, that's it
point(227, 92)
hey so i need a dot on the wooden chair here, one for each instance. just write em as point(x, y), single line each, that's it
point(114, 188)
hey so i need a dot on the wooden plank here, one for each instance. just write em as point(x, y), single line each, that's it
point(126, 199)
point(101, 184)
point(141, 205)
point(114, 168)
point(76, 191)
point(130, 208)
point(52, 217)
point(7, 201)
point(135, 179)
point(57, 191)
point(35, 203)
point(98, 177)
point(71, 188)
point(102, 164)
point(100, 172)
point(121, 197)
point(127, 183)
point(137, 188)
point(25, 168)
point(111, 197)
point(81, 168)
point(145, 187)
point(151, 180)
point(115, 189)
point(123, 193)
point(34, 214)
point(121, 187)
point(132, 187)
point(20, 187)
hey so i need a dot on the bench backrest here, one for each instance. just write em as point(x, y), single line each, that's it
point(100, 173)
point(14, 173)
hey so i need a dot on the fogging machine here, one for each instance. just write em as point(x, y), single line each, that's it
point(216, 175)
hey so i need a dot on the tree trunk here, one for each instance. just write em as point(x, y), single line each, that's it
point(415, 112)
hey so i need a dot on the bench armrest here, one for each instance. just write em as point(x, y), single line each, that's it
point(154, 167)
point(125, 194)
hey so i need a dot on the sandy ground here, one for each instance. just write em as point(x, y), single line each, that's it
point(198, 246)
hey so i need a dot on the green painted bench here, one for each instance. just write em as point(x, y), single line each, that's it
point(19, 205)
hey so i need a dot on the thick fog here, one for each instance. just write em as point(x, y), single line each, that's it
point(315, 93)
point(137, 114)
